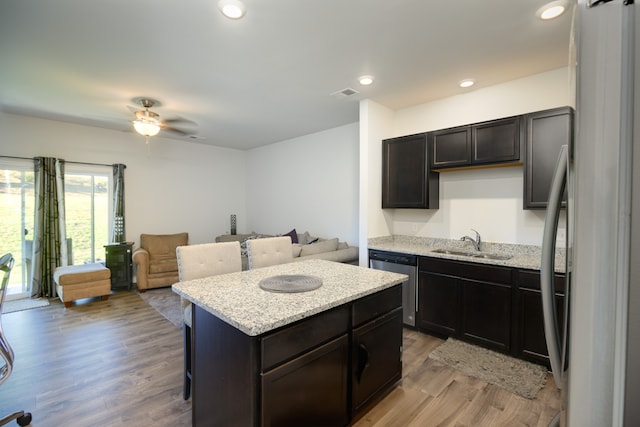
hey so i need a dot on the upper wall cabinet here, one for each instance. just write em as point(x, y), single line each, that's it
point(407, 180)
point(484, 144)
point(546, 132)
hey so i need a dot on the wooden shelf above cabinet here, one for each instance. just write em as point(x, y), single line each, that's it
point(489, 166)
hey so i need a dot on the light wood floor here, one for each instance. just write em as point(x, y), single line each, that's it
point(119, 362)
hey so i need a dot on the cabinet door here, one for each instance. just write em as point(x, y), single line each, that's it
point(310, 390)
point(407, 181)
point(497, 141)
point(377, 357)
point(451, 147)
point(546, 132)
point(486, 314)
point(439, 303)
point(118, 260)
point(531, 337)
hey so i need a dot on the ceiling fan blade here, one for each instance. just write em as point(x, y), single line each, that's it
point(177, 131)
point(179, 120)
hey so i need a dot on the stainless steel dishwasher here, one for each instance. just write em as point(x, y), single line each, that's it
point(404, 264)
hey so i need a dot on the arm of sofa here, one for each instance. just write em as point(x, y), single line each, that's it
point(141, 259)
point(348, 255)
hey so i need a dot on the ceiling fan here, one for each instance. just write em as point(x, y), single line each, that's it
point(147, 123)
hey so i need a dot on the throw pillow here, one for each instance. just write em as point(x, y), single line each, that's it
point(319, 247)
point(296, 248)
point(293, 235)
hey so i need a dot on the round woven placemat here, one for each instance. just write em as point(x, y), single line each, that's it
point(290, 283)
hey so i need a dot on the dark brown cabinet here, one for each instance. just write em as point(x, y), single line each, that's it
point(317, 376)
point(486, 314)
point(439, 303)
point(531, 344)
point(546, 132)
point(319, 371)
point(480, 144)
point(465, 300)
point(407, 180)
point(118, 260)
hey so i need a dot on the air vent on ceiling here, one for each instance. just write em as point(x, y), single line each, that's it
point(344, 93)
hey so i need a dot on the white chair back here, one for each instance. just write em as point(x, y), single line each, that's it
point(269, 251)
point(208, 259)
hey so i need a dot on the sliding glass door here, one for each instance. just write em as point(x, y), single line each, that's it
point(17, 199)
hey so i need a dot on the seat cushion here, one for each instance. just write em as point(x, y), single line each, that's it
point(74, 274)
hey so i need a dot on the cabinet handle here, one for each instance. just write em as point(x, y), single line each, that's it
point(363, 360)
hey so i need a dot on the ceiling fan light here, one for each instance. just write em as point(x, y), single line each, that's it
point(232, 9)
point(146, 128)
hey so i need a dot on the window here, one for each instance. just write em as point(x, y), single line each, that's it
point(88, 207)
point(17, 200)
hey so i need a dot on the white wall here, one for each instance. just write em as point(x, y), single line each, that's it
point(309, 183)
point(170, 186)
point(489, 200)
point(376, 124)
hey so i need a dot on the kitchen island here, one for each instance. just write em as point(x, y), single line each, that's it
point(320, 357)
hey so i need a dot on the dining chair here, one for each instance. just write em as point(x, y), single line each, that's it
point(6, 352)
point(196, 262)
point(269, 251)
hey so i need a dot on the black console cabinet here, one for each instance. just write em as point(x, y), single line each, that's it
point(118, 260)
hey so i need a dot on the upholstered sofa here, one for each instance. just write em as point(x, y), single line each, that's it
point(303, 247)
point(156, 260)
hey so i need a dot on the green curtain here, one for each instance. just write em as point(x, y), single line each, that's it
point(117, 228)
point(49, 251)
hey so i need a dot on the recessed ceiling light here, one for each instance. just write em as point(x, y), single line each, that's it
point(466, 83)
point(552, 10)
point(233, 9)
point(365, 80)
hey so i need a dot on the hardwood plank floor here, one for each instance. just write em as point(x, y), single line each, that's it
point(432, 394)
point(119, 362)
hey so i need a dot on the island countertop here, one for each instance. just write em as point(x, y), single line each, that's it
point(238, 300)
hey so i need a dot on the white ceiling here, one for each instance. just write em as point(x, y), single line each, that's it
point(269, 76)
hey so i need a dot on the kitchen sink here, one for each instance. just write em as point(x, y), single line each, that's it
point(471, 254)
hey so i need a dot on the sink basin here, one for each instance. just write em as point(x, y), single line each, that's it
point(471, 254)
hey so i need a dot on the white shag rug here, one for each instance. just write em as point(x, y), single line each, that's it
point(517, 376)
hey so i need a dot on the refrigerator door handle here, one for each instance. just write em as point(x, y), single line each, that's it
point(551, 327)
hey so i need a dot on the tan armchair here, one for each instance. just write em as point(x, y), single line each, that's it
point(157, 264)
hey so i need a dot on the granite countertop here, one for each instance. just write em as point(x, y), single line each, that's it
point(237, 298)
point(522, 256)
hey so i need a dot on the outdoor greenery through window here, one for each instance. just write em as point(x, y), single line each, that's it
point(17, 200)
point(88, 209)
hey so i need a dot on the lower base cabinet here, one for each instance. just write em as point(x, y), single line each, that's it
point(496, 307)
point(532, 343)
point(377, 358)
point(464, 300)
point(486, 314)
point(320, 371)
point(311, 390)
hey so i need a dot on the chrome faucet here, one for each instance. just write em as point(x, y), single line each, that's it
point(476, 242)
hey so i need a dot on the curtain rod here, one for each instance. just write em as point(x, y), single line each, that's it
point(66, 161)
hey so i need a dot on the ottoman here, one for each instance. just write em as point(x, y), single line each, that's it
point(82, 281)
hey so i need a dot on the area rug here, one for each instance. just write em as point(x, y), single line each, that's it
point(517, 376)
point(23, 304)
point(166, 302)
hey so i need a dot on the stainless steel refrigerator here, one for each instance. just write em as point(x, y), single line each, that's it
point(598, 366)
